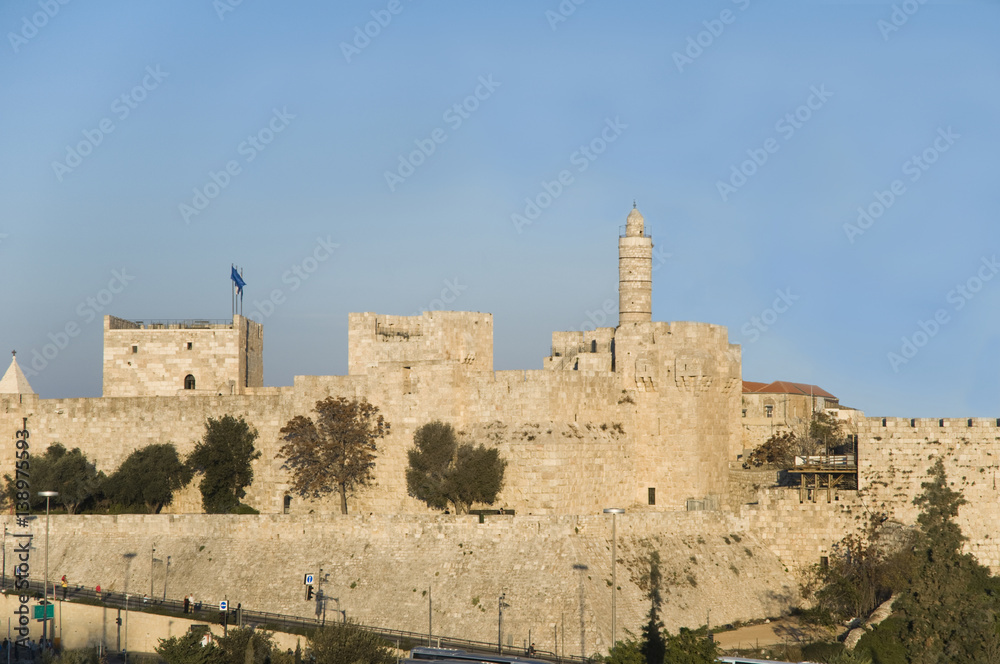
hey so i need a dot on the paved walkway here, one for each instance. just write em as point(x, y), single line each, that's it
point(778, 632)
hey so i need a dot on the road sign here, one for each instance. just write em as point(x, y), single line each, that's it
point(223, 605)
point(49, 611)
point(309, 580)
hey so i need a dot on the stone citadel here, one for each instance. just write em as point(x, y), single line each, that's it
point(649, 416)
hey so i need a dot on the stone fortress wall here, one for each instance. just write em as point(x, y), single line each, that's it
point(380, 568)
point(894, 455)
point(647, 416)
point(576, 441)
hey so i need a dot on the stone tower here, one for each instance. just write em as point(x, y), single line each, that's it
point(635, 272)
point(168, 358)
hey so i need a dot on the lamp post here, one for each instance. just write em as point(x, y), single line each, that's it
point(152, 552)
point(166, 574)
point(5, 556)
point(45, 588)
point(614, 512)
point(581, 568)
point(128, 568)
point(501, 604)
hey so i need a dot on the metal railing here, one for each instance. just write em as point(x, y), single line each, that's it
point(646, 231)
point(185, 324)
point(274, 622)
point(826, 461)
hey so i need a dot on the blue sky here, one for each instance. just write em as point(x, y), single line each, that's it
point(749, 133)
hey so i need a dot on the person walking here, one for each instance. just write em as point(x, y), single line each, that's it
point(65, 585)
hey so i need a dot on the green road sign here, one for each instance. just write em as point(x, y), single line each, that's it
point(49, 611)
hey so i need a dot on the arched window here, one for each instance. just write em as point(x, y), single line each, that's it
point(189, 382)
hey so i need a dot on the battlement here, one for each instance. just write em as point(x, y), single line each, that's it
point(464, 338)
point(115, 323)
point(874, 424)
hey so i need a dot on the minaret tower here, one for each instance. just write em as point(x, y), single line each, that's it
point(635, 271)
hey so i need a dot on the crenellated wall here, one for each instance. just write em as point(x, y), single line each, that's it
point(652, 434)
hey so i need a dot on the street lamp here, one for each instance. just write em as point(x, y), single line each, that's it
point(614, 512)
point(581, 568)
point(152, 553)
point(45, 588)
point(501, 604)
point(5, 531)
point(128, 568)
point(166, 574)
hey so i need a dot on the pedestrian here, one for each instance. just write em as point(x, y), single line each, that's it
point(98, 591)
point(187, 603)
point(65, 585)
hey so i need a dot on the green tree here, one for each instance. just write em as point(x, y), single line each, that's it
point(345, 643)
point(147, 479)
point(187, 649)
point(225, 456)
point(67, 471)
point(689, 647)
point(628, 651)
point(441, 471)
point(654, 647)
point(246, 645)
point(336, 452)
point(827, 433)
point(865, 569)
point(949, 608)
point(778, 451)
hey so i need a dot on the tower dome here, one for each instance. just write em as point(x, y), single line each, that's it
point(634, 223)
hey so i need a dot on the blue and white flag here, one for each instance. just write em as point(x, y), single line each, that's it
point(238, 280)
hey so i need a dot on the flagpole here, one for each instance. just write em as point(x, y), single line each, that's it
point(232, 286)
point(241, 294)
